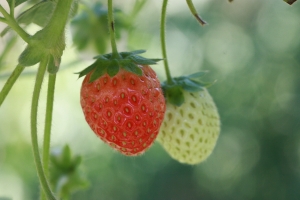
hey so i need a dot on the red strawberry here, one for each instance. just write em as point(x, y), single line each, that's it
point(125, 110)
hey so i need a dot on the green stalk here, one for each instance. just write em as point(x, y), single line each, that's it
point(34, 138)
point(111, 28)
point(56, 26)
point(194, 12)
point(12, 8)
point(10, 20)
point(10, 82)
point(163, 40)
point(48, 123)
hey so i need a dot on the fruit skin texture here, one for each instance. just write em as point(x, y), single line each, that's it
point(189, 133)
point(126, 110)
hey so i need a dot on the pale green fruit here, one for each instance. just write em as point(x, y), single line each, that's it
point(189, 133)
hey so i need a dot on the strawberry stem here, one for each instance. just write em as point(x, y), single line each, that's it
point(111, 28)
point(10, 82)
point(34, 138)
point(48, 123)
point(194, 12)
point(10, 21)
point(163, 40)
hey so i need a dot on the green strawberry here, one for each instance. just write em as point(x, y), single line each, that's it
point(190, 131)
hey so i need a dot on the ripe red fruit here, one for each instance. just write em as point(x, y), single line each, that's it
point(126, 110)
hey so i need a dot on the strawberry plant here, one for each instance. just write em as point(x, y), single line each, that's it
point(191, 126)
point(121, 97)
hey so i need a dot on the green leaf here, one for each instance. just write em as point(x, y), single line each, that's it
point(99, 71)
point(131, 67)
point(30, 56)
point(113, 68)
point(38, 14)
point(17, 2)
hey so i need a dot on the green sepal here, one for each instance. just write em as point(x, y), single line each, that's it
point(141, 60)
point(174, 90)
point(131, 67)
point(174, 95)
point(113, 68)
point(197, 75)
point(136, 52)
point(107, 63)
point(86, 70)
point(31, 56)
point(99, 71)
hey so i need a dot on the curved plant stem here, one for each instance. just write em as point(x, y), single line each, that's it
point(194, 12)
point(12, 8)
point(10, 82)
point(163, 40)
point(48, 123)
point(34, 138)
point(111, 27)
point(10, 20)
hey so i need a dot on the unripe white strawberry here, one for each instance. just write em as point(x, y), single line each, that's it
point(189, 132)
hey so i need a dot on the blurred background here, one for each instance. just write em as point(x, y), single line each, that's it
point(252, 49)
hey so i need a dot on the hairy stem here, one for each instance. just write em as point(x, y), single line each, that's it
point(163, 40)
point(34, 138)
point(56, 26)
point(48, 123)
point(111, 27)
point(10, 20)
point(10, 82)
point(194, 12)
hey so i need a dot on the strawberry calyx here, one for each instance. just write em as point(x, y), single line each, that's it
point(107, 63)
point(173, 90)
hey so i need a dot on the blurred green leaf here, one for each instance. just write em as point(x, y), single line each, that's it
point(17, 2)
point(89, 27)
point(65, 175)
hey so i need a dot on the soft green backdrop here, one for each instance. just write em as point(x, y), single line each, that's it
point(251, 47)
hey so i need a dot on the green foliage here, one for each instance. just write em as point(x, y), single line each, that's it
point(107, 64)
point(65, 174)
point(191, 83)
point(17, 2)
point(89, 27)
point(38, 14)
